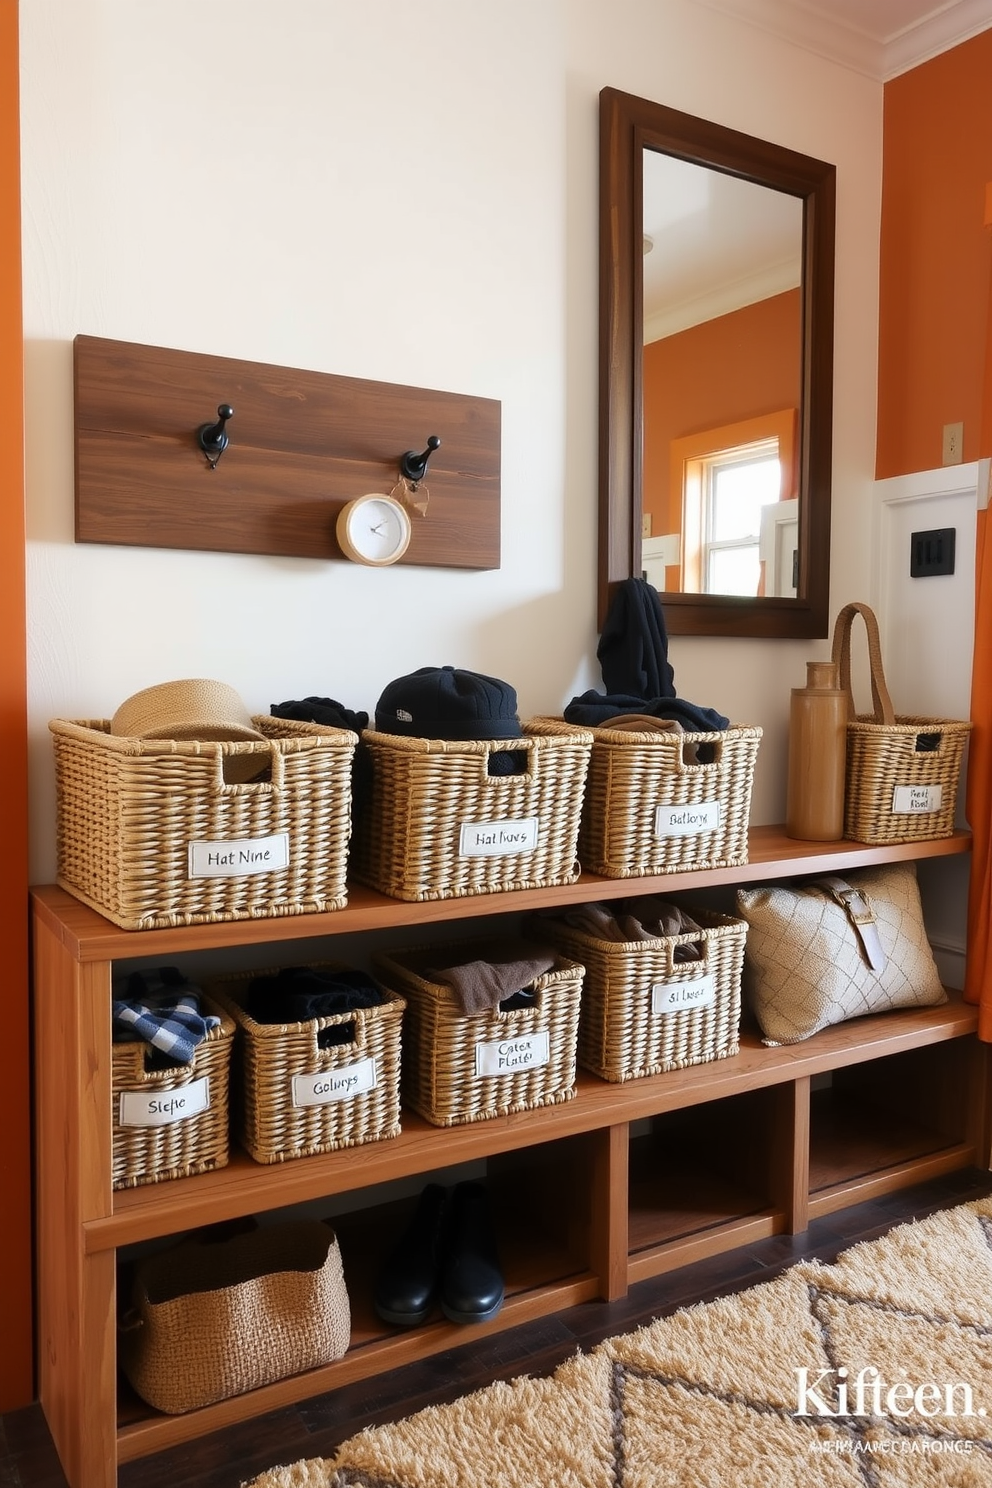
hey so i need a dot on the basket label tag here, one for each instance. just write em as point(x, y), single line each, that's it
point(334, 1085)
point(164, 1107)
point(512, 1055)
point(687, 821)
point(911, 800)
point(677, 997)
point(239, 859)
point(497, 839)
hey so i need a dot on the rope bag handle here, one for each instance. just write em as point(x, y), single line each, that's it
point(883, 710)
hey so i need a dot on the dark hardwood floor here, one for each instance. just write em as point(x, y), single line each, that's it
point(314, 1428)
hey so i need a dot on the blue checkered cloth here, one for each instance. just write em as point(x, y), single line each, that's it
point(163, 1010)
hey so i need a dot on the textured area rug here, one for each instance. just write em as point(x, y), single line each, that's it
point(872, 1372)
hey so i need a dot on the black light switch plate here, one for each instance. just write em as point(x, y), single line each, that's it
point(932, 553)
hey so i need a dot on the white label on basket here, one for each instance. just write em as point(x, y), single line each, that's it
point(334, 1085)
point(676, 997)
point(910, 800)
point(163, 1107)
point(238, 859)
point(496, 839)
point(686, 821)
point(513, 1055)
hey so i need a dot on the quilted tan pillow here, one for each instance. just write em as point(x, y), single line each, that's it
point(806, 965)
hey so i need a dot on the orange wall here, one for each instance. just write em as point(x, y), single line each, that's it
point(15, 1146)
point(728, 369)
point(935, 257)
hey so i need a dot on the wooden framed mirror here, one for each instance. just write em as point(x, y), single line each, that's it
point(730, 562)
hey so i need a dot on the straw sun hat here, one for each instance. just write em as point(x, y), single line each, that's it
point(192, 709)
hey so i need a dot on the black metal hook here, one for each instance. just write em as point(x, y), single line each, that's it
point(213, 439)
point(414, 466)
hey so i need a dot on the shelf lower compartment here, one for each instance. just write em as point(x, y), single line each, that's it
point(375, 1348)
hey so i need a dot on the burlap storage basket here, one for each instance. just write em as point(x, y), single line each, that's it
point(211, 1320)
point(147, 828)
point(191, 1144)
point(642, 1011)
point(902, 771)
point(440, 1077)
point(652, 807)
point(277, 1067)
point(427, 832)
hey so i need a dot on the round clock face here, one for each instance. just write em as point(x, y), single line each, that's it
point(374, 530)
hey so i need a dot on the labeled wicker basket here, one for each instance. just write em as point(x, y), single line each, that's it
point(447, 1053)
point(296, 1093)
point(440, 825)
point(190, 1143)
point(643, 1011)
point(150, 832)
point(902, 770)
point(662, 802)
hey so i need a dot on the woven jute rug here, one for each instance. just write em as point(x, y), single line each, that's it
point(872, 1372)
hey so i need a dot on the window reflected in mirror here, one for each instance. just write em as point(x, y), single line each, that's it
point(722, 381)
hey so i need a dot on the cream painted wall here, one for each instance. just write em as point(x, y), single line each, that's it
point(402, 191)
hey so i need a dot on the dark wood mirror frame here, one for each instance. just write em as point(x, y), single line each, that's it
point(628, 126)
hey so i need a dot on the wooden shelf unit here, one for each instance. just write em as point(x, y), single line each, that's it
point(722, 1153)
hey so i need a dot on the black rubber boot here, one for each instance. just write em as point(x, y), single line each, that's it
point(471, 1280)
point(406, 1288)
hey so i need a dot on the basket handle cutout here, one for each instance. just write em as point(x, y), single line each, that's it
point(690, 969)
point(883, 711)
point(232, 767)
point(336, 1034)
point(502, 762)
point(928, 743)
point(701, 756)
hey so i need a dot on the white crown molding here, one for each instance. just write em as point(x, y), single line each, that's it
point(856, 46)
point(936, 33)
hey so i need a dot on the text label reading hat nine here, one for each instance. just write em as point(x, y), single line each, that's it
point(194, 708)
point(448, 703)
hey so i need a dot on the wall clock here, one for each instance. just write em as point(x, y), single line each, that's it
point(373, 529)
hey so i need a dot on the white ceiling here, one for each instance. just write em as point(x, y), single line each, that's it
point(880, 38)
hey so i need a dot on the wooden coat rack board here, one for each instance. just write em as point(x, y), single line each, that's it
point(302, 444)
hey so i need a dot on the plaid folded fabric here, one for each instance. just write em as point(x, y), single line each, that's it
point(163, 1010)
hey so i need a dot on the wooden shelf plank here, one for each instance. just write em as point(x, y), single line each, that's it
point(91, 937)
point(688, 1249)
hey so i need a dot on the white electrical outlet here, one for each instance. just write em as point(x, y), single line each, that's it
point(646, 524)
point(953, 444)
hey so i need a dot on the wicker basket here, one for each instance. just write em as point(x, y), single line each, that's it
point(148, 829)
point(444, 1049)
point(652, 807)
point(643, 1012)
point(209, 1319)
point(281, 1109)
point(429, 829)
point(192, 1144)
point(902, 771)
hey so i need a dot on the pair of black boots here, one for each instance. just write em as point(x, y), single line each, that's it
point(447, 1255)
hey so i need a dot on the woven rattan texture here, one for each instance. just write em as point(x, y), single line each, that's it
point(439, 1078)
point(881, 757)
point(268, 1056)
point(631, 775)
point(620, 1037)
point(128, 810)
point(407, 843)
point(148, 1154)
point(209, 1321)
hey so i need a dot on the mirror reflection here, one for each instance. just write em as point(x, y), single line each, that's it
point(721, 381)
